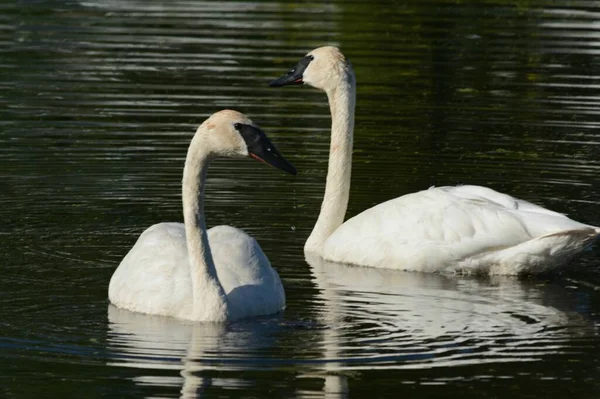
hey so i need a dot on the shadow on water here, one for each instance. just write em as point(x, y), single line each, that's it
point(99, 100)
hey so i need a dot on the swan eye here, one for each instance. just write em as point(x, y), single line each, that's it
point(312, 57)
point(237, 126)
point(291, 71)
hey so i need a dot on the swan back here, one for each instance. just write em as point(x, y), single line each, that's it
point(459, 229)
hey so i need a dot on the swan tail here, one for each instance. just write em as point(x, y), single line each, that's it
point(538, 255)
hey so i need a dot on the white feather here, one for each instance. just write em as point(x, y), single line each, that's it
point(447, 229)
point(154, 277)
point(185, 271)
point(459, 229)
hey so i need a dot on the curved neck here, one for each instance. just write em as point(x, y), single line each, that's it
point(208, 295)
point(342, 99)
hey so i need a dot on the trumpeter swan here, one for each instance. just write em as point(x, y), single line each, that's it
point(185, 271)
point(443, 229)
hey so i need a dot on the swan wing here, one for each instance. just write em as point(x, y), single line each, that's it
point(451, 229)
point(252, 286)
point(154, 276)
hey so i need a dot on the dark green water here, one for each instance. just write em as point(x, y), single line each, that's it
point(98, 102)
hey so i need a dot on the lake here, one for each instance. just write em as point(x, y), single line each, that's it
point(99, 101)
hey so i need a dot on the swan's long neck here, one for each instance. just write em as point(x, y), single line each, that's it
point(342, 99)
point(209, 301)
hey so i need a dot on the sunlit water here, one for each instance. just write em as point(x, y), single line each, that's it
point(98, 102)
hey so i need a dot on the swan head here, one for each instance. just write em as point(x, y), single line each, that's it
point(323, 68)
point(232, 134)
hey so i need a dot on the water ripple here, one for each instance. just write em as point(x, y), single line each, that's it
point(98, 102)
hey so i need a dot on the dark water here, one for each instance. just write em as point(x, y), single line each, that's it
point(98, 102)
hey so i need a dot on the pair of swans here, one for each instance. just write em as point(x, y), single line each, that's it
point(173, 271)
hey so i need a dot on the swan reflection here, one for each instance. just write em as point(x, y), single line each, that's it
point(359, 319)
point(383, 319)
point(153, 344)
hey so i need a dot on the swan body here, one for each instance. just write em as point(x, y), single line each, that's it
point(466, 229)
point(161, 284)
point(459, 229)
point(183, 270)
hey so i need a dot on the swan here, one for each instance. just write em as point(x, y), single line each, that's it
point(185, 271)
point(462, 229)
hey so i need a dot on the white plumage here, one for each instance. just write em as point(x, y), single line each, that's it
point(446, 229)
point(154, 277)
point(184, 271)
point(459, 229)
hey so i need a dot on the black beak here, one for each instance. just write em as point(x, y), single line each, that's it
point(261, 148)
point(294, 75)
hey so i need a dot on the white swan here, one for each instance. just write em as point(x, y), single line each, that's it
point(173, 271)
point(444, 229)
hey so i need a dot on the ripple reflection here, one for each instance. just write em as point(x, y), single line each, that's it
point(386, 319)
point(155, 344)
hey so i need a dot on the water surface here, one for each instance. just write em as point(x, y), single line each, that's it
point(98, 103)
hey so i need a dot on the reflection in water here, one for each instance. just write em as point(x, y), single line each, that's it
point(372, 319)
point(152, 345)
point(161, 343)
point(98, 101)
point(390, 319)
